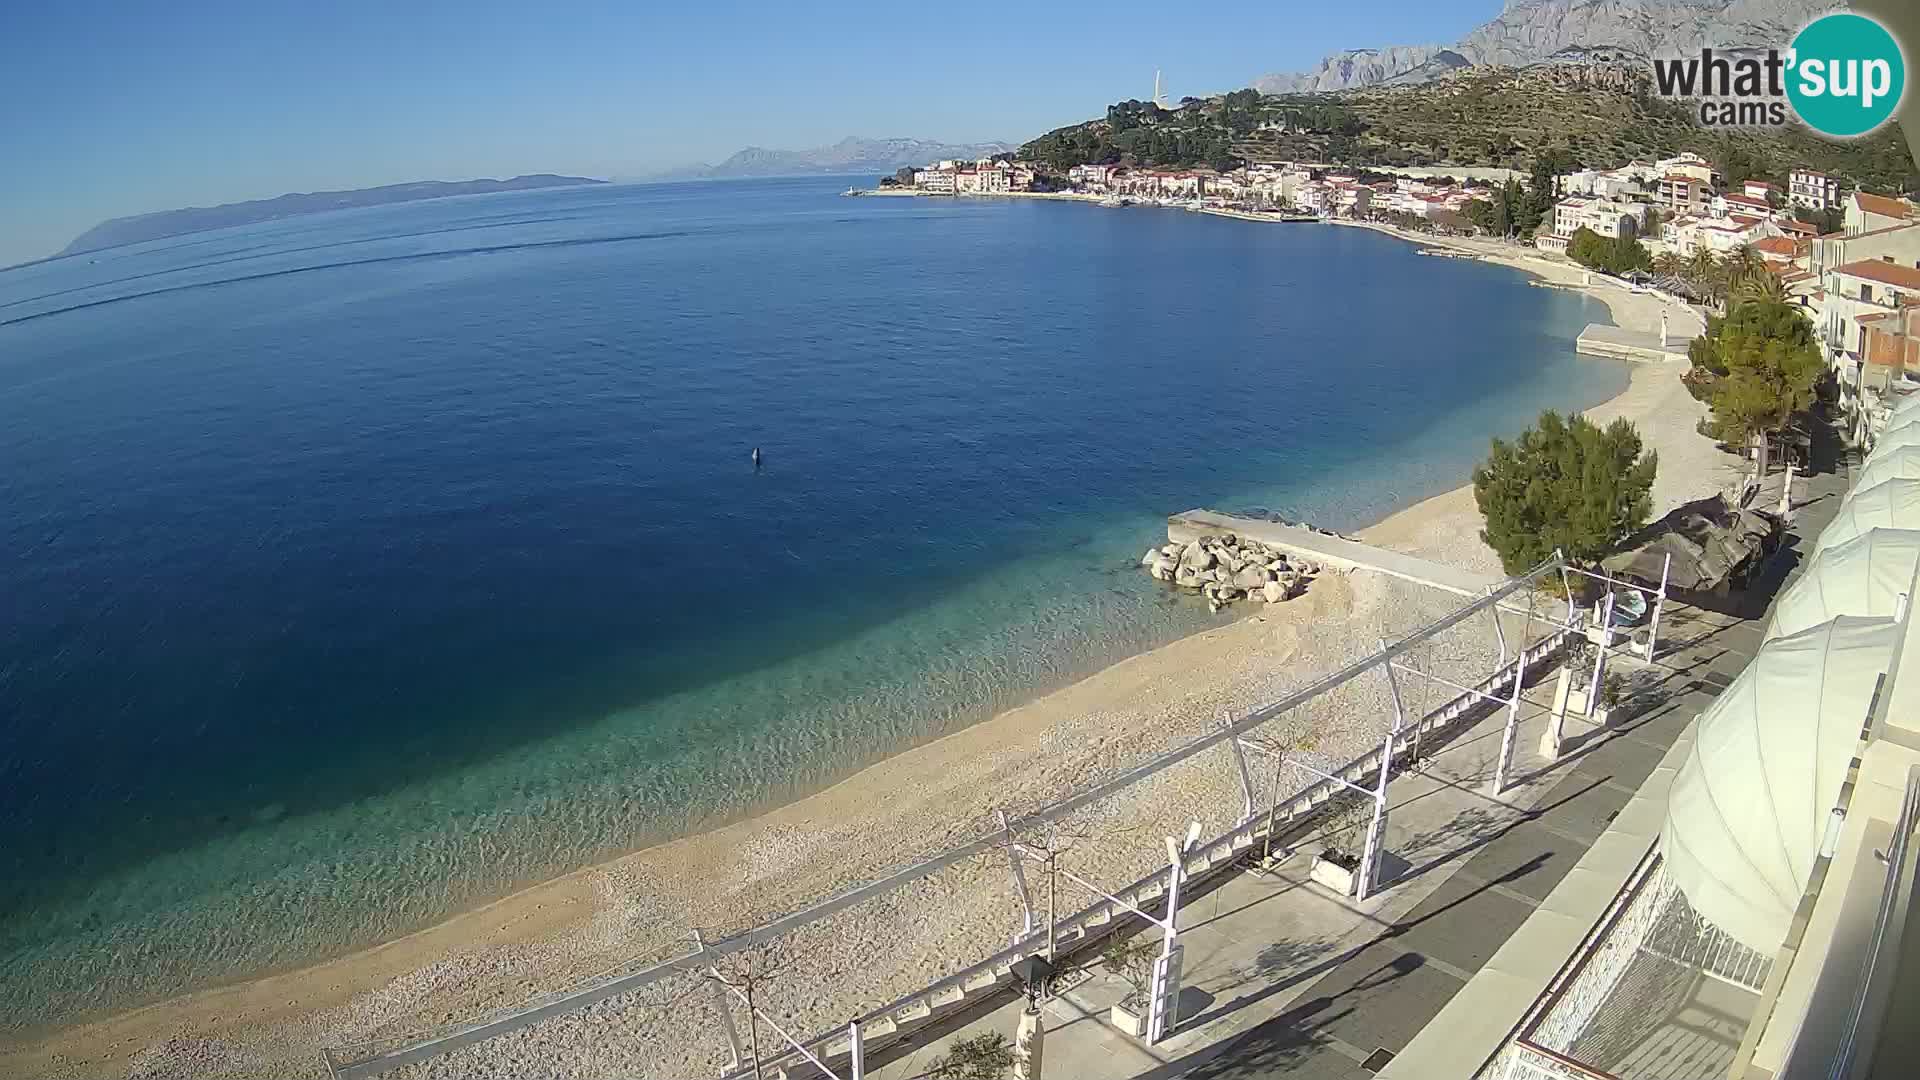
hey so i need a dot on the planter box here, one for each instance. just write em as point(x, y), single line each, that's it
point(1334, 876)
point(1129, 1024)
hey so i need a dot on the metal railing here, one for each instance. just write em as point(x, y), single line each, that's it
point(367, 1059)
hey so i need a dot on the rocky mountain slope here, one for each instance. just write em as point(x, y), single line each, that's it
point(849, 155)
point(1530, 31)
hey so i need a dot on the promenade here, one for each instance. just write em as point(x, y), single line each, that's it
point(1286, 978)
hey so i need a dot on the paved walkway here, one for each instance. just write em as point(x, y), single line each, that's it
point(1286, 978)
point(1330, 550)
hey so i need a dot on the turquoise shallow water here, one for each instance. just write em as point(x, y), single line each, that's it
point(362, 566)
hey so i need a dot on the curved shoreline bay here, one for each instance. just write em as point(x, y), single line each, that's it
point(494, 593)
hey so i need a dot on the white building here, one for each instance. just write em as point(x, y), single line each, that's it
point(1607, 217)
point(1815, 190)
point(935, 181)
point(1867, 212)
point(1689, 165)
point(1092, 176)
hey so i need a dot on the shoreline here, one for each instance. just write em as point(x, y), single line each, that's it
point(551, 933)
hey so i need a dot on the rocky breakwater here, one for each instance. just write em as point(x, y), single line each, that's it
point(1227, 568)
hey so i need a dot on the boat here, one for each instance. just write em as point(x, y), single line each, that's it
point(1113, 200)
point(853, 191)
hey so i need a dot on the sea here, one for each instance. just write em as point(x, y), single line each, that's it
point(357, 568)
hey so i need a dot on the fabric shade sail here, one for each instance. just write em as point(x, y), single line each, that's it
point(1894, 504)
point(1900, 463)
point(1905, 411)
point(1751, 802)
point(1864, 576)
point(1899, 435)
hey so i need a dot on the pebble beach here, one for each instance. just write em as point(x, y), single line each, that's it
point(649, 903)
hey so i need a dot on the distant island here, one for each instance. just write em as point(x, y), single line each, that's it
point(849, 155)
point(164, 223)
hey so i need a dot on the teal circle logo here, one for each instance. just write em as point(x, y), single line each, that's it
point(1845, 75)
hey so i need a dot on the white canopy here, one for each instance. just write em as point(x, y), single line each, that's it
point(1900, 433)
point(1864, 576)
point(1750, 804)
point(1899, 463)
point(1905, 410)
point(1894, 504)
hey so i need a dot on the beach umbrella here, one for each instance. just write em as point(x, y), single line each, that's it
point(1867, 575)
point(1894, 504)
point(1899, 463)
point(1751, 801)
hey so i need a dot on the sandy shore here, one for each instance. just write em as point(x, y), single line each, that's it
point(648, 902)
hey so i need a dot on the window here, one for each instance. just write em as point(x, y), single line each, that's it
point(1866, 291)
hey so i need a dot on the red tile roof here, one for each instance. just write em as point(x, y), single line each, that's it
point(1793, 225)
point(1777, 245)
point(1738, 199)
point(1905, 277)
point(1883, 206)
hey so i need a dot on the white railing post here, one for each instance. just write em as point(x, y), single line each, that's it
point(857, 1051)
point(1240, 761)
point(1019, 880)
point(1659, 602)
point(1164, 997)
point(1600, 654)
point(1511, 730)
point(725, 1009)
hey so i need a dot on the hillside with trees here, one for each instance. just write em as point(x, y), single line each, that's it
point(1596, 115)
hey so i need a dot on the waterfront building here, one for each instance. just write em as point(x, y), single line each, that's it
point(1606, 217)
point(935, 181)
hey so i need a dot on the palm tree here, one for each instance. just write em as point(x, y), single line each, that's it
point(1704, 274)
point(1764, 287)
point(1744, 262)
point(1669, 264)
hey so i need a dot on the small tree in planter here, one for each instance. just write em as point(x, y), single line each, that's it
point(983, 1057)
point(1133, 962)
point(1344, 838)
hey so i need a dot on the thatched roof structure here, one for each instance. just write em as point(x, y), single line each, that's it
point(1710, 542)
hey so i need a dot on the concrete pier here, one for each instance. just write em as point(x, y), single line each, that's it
point(1327, 550)
point(1618, 344)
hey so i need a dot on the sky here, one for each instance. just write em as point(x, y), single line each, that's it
point(115, 109)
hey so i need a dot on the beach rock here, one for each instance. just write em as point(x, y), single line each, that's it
point(1164, 567)
point(1226, 593)
point(1152, 556)
point(1277, 564)
point(1195, 557)
point(1274, 592)
point(1250, 577)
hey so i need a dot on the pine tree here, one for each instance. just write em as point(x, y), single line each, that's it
point(1564, 484)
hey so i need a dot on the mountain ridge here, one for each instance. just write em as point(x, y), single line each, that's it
point(161, 224)
point(1530, 31)
point(852, 154)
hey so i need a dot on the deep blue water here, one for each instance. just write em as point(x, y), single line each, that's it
point(357, 567)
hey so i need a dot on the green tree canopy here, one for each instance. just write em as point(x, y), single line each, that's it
point(1768, 361)
point(1564, 484)
point(1612, 255)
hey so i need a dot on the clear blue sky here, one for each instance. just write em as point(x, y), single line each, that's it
point(116, 109)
